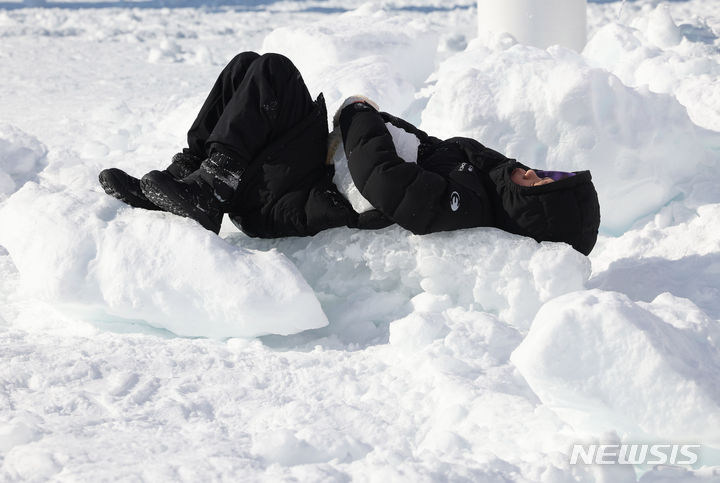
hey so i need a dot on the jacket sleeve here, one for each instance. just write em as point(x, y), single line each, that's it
point(411, 196)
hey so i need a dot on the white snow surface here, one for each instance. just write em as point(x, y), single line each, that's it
point(540, 24)
point(132, 343)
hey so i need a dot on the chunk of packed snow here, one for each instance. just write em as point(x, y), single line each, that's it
point(604, 363)
point(416, 330)
point(661, 29)
point(106, 259)
point(22, 156)
point(540, 24)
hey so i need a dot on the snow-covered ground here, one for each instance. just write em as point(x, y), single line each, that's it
point(136, 346)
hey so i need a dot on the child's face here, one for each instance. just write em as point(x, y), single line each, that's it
point(528, 178)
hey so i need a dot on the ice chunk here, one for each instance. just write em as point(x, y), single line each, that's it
point(155, 267)
point(604, 363)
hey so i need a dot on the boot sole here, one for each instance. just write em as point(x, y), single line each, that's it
point(159, 197)
point(111, 178)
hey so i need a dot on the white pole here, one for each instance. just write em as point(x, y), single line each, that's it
point(540, 23)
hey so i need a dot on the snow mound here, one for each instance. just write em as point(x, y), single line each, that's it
point(655, 52)
point(366, 51)
point(676, 252)
point(22, 156)
point(105, 261)
point(366, 279)
point(551, 109)
point(604, 363)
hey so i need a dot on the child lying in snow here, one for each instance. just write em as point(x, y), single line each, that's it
point(258, 152)
point(459, 183)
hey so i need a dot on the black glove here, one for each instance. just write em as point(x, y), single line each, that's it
point(373, 220)
point(327, 208)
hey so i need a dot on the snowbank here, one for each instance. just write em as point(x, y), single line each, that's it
point(654, 51)
point(22, 156)
point(364, 51)
point(367, 279)
point(107, 260)
point(604, 363)
point(551, 109)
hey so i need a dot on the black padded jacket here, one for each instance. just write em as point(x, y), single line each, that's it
point(459, 183)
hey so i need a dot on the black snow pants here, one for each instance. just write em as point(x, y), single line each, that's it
point(260, 114)
point(255, 100)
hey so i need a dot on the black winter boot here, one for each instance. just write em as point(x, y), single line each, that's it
point(184, 164)
point(126, 188)
point(203, 196)
point(119, 184)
